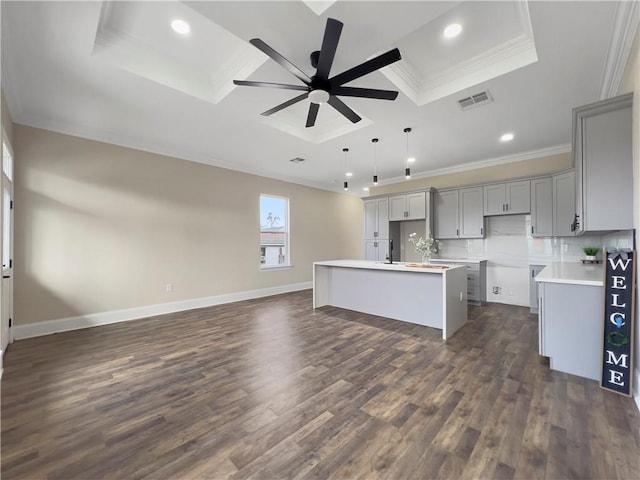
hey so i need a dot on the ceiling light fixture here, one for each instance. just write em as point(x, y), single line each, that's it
point(319, 96)
point(366, 189)
point(407, 171)
point(180, 26)
point(375, 161)
point(452, 30)
point(507, 137)
point(346, 184)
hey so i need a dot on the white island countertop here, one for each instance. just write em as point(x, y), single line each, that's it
point(458, 260)
point(572, 273)
point(395, 266)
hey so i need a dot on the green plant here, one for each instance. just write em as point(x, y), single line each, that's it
point(591, 251)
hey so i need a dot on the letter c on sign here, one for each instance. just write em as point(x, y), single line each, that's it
point(617, 319)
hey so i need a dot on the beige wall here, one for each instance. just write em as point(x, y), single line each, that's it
point(631, 82)
point(524, 168)
point(101, 228)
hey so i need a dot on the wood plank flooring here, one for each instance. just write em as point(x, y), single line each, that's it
point(270, 388)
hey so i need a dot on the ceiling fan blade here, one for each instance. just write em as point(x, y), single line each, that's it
point(340, 106)
point(329, 46)
point(266, 49)
point(365, 93)
point(367, 67)
point(286, 104)
point(313, 113)
point(284, 86)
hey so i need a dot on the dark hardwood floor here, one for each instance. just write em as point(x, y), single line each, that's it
point(270, 388)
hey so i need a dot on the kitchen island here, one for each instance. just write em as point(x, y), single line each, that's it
point(433, 296)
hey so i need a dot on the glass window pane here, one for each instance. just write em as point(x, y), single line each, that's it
point(274, 231)
point(7, 161)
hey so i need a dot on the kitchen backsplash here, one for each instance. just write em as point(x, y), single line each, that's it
point(510, 249)
point(508, 243)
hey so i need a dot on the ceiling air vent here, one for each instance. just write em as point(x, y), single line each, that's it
point(475, 100)
point(297, 160)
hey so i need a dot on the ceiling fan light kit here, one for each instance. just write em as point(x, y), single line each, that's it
point(320, 88)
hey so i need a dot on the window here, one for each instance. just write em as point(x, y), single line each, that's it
point(274, 231)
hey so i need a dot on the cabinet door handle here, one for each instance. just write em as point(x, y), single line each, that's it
point(481, 231)
point(375, 234)
point(506, 206)
point(375, 244)
point(503, 207)
point(457, 232)
point(531, 229)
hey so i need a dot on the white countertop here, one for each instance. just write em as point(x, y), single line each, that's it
point(396, 266)
point(459, 260)
point(573, 273)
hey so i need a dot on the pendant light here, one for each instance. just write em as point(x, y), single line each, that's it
point(346, 184)
point(407, 170)
point(375, 162)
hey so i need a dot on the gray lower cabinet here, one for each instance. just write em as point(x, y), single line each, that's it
point(570, 327)
point(476, 279)
point(376, 250)
point(533, 287)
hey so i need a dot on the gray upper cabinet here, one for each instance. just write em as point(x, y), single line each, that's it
point(458, 213)
point(410, 206)
point(507, 198)
point(542, 207)
point(602, 149)
point(471, 218)
point(376, 219)
point(445, 206)
point(564, 204)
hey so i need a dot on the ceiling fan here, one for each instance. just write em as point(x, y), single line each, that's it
point(320, 88)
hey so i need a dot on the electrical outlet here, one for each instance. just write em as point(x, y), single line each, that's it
point(496, 290)
point(169, 287)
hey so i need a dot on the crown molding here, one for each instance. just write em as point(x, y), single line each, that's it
point(625, 25)
point(491, 162)
point(172, 151)
point(510, 55)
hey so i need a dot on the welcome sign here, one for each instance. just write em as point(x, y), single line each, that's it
point(617, 351)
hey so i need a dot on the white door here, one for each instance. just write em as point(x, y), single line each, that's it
point(6, 287)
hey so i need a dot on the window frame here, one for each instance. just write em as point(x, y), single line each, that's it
point(287, 231)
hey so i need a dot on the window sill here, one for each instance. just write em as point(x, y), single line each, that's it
point(267, 268)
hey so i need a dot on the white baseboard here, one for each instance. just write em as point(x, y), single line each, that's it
point(104, 318)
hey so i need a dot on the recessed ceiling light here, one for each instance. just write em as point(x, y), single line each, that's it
point(411, 159)
point(180, 26)
point(349, 174)
point(507, 137)
point(366, 189)
point(452, 30)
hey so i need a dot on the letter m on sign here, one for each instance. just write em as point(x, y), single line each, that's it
point(618, 329)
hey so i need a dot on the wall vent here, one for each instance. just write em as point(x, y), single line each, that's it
point(475, 100)
point(297, 160)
